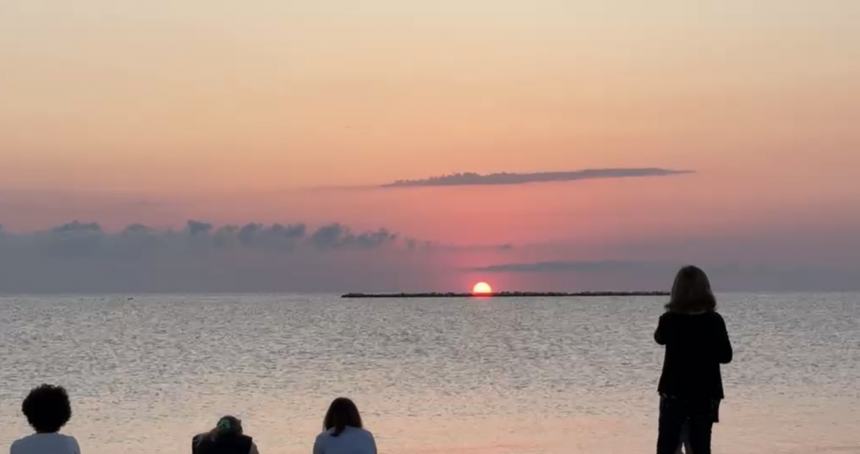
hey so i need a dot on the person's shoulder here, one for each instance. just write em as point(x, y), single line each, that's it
point(363, 433)
point(25, 445)
point(73, 444)
point(19, 444)
point(716, 316)
point(67, 440)
point(673, 317)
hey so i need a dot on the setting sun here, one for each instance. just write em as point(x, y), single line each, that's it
point(482, 288)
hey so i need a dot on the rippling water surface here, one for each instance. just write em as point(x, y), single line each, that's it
point(572, 375)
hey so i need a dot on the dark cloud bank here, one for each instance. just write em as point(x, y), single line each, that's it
point(80, 257)
point(505, 178)
point(83, 257)
point(78, 239)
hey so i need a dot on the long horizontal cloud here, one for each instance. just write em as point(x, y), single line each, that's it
point(79, 239)
point(572, 266)
point(506, 178)
point(201, 256)
point(83, 257)
point(89, 239)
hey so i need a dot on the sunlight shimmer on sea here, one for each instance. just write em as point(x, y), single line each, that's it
point(554, 376)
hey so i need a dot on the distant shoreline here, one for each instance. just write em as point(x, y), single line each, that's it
point(502, 294)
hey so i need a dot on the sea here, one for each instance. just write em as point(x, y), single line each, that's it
point(456, 376)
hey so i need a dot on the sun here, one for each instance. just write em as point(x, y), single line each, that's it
point(482, 288)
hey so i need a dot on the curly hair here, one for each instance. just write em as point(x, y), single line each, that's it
point(47, 408)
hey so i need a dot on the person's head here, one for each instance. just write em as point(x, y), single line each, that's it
point(227, 426)
point(342, 413)
point(47, 408)
point(691, 291)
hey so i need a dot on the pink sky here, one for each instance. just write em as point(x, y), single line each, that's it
point(119, 112)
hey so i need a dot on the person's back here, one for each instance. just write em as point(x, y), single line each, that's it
point(226, 438)
point(343, 432)
point(696, 345)
point(352, 440)
point(205, 444)
point(45, 443)
point(47, 409)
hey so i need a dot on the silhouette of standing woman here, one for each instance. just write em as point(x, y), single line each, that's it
point(697, 342)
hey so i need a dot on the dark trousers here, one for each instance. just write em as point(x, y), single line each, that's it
point(699, 415)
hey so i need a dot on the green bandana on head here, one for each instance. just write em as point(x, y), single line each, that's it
point(224, 425)
point(229, 425)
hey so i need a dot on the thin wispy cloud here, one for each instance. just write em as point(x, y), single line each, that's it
point(513, 178)
point(560, 266)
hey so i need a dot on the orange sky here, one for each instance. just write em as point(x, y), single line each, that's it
point(156, 112)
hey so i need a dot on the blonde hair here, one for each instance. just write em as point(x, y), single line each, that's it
point(691, 291)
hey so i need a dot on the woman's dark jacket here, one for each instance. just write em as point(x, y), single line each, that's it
point(696, 345)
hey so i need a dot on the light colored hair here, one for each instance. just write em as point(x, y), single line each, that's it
point(691, 291)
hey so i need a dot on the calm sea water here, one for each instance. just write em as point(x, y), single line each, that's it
point(574, 375)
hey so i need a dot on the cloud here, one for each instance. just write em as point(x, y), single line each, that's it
point(725, 275)
point(198, 228)
point(564, 266)
point(505, 178)
point(82, 257)
point(424, 245)
point(75, 227)
point(87, 238)
point(337, 235)
point(74, 239)
point(137, 229)
point(276, 236)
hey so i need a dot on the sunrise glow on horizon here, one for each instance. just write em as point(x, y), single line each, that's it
point(482, 288)
point(480, 222)
point(723, 132)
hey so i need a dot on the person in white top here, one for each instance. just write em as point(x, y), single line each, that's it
point(342, 431)
point(47, 409)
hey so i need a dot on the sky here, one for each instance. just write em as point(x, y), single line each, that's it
point(541, 144)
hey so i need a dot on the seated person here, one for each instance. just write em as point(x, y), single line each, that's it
point(47, 409)
point(343, 432)
point(225, 438)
